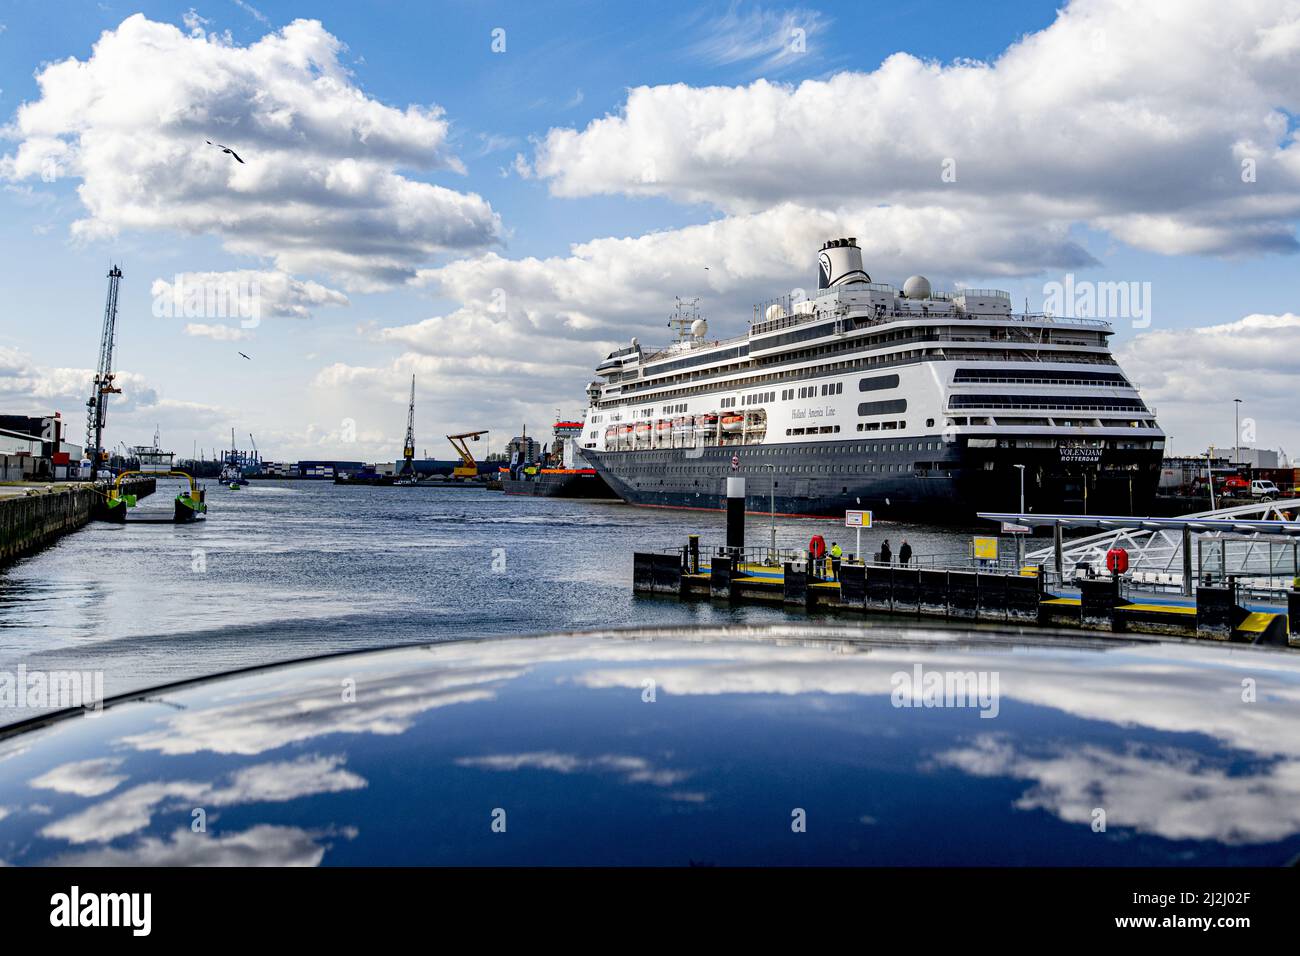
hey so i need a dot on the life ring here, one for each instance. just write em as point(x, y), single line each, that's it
point(817, 547)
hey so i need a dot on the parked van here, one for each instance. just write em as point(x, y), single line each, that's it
point(1263, 488)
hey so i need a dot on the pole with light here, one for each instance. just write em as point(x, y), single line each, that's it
point(772, 508)
point(1020, 544)
point(1236, 438)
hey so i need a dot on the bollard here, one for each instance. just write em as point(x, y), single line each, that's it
point(736, 514)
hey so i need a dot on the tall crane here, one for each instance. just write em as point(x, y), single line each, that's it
point(468, 467)
point(408, 447)
point(102, 386)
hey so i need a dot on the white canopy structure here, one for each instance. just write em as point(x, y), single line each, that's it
point(1251, 541)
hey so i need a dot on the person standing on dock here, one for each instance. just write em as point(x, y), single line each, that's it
point(886, 554)
point(834, 560)
point(905, 554)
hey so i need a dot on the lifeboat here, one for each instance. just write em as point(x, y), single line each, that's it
point(683, 425)
point(732, 424)
point(610, 434)
point(663, 427)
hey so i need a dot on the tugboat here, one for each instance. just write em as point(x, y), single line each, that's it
point(232, 476)
point(561, 473)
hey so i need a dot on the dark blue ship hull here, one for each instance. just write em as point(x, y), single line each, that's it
point(925, 478)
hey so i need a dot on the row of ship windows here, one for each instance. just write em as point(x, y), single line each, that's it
point(870, 448)
point(858, 344)
point(899, 358)
point(862, 343)
point(813, 469)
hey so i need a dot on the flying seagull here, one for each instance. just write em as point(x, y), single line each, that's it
point(245, 356)
point(227, 149)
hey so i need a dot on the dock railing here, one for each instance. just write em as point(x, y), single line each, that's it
point(766, 557)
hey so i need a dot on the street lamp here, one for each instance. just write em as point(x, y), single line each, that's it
point(772, 507)
point(1236, 441)
point(1020, 543)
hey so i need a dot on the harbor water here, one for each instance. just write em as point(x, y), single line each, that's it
point(284, 570)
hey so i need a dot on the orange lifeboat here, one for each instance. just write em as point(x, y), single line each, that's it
point(733, 423)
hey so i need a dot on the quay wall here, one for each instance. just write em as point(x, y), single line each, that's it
point(28, 522)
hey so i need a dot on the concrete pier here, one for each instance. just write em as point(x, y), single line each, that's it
point(1005, 598)
point(34, 514)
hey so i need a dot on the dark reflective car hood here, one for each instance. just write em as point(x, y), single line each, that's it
point(773, 745)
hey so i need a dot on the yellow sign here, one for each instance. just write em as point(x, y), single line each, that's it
point(986, 549)
point(857, 519)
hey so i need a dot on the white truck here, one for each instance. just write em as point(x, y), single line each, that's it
point(1263, 488)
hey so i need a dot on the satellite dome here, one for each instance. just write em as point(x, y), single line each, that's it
point(699, 328)
point(634, 341)
point(917, 287)
point(774, 311)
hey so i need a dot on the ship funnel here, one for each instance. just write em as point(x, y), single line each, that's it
point(840, 263)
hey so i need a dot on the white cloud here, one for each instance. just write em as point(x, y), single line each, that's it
point(1188, 373)
point(240, 293)
point(252, 11)
point(218, 333)
point(29, 388)
point(1173, 794)
point(133, 810)
point(1134, 119)
point(125, 813)
point(262, 845)
point(767, 40)
point(632, 768)
point(320, 190)
point(85, 778)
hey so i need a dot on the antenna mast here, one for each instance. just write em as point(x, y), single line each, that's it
point(684, 317)
point(102, 385)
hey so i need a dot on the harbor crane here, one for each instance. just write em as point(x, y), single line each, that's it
point(102, 385)
point(408, 446)
point(468, 467)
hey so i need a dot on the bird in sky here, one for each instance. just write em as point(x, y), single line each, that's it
point(245, 356)
point(228, 150)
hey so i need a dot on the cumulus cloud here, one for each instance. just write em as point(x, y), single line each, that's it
point(133, 809)
point(1184, 372)
point(27, 387)
point(262, 845)
point(321, 189)
point(85, 778)
point(1177, 795)
point(1134, 119)
point(240, 294)
point(529, 331)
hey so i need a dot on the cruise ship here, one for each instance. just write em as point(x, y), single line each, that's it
point(907, 402)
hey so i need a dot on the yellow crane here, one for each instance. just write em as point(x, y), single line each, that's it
point(468, 467)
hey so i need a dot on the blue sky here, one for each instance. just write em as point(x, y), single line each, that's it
point(1090, 142)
